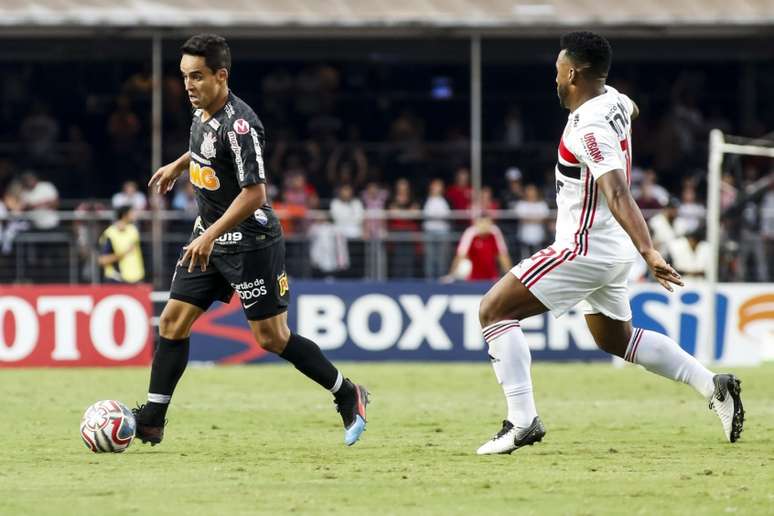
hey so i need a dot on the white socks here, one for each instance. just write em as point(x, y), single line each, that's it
point(511, 361)
point(661, 355)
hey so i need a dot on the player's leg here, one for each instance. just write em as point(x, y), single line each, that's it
point(265, 301)
point(502, 308)
point(274, 335)
point(191, 293)
point(610, 325)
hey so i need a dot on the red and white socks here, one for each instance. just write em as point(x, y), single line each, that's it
point(661, 355)
point(511, 361)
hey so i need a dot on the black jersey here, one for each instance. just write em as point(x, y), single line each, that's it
point(227, 155)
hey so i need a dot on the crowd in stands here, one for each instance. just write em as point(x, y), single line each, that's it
point(342, 146)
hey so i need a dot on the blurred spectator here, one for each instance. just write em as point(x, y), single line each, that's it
point(120, 254)
point(436, 227)
point(347, 165)
point(689, 255)
point(533, 213)
point(691, 214)
point(662, 226)
point(647, 200)
point(649, 182)
point(39, 132)
point(487, 202)
point(514, 191)
point(374, 200)
point(460, 194)
point(185, 198)
point(347, 213)
point(484, 246)
point(130, 195)
point(728, 192)
point(328, 251)
point(79, 155)
point(297, 197)
point(403, 212)
point(14, 223)
point(40, 200)
point(751, 245)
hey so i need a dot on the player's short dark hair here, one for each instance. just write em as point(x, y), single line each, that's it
point(122, 210)
point(213, 48)
point(588, 49)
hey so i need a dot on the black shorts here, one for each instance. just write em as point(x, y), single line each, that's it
point(258, 277)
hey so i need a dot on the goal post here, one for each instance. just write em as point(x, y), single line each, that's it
point(720, 145)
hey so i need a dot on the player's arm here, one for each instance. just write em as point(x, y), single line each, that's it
point(165, 177)
point(621, 203)
point(108, 256)
point(635, 110)
point(243, 206)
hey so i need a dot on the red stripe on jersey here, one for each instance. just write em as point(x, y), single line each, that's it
point(566, 155)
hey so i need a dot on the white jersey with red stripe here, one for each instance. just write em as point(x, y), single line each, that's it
point(596, 140)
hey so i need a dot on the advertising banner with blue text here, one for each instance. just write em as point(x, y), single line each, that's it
point(423, 321)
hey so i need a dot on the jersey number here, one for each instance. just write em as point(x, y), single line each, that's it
point(203, 177)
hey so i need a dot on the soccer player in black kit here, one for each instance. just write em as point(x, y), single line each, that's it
point(236, 244)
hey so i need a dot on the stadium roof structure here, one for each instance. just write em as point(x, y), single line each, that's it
point(510, 17)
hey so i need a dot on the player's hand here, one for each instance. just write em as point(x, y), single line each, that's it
point(661, 270)
point(198, 253)
point(165, 178)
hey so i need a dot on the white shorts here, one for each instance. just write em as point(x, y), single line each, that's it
point(561, 280)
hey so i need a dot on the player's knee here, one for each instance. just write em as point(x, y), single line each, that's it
point(172, 326)
point(487, 311)
point(272, 341)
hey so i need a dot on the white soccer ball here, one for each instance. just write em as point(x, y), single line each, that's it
point(108, 426)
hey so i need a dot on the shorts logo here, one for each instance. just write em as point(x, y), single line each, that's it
point(248, 290)
point(208, 146)
point(241, 126)
point(282, 284)
point(261, 217)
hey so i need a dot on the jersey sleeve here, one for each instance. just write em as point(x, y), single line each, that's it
point(627, 102)
point(597, 147)
point(245, 140)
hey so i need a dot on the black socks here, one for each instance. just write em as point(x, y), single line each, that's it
point(306, 356)
point(169, 363)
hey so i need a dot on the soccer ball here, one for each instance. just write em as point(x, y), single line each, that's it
point(108, 426)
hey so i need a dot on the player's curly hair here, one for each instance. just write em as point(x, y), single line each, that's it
point(212, 48)
point(588, 49)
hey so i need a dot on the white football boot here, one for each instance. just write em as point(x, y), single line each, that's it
point(511, 438)
point(727, 404)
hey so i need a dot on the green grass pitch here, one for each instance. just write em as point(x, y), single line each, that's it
point(264, 440)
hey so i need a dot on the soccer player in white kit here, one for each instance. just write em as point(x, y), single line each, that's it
point(599, 228)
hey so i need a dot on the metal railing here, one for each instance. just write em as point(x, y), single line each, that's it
point(69, 252)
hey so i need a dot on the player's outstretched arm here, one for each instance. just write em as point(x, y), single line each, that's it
point(244, 205)
point(165, 177)
point(621, 203)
